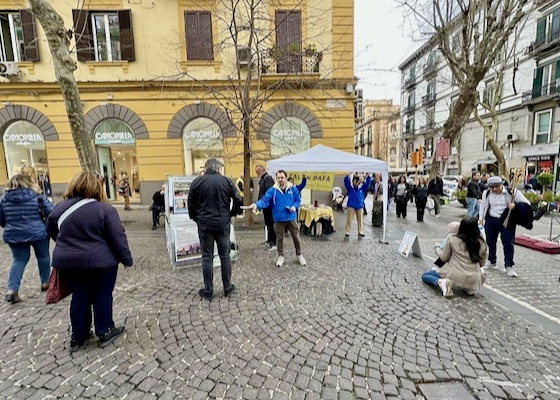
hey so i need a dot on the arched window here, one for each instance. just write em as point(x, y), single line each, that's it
point(24, 144)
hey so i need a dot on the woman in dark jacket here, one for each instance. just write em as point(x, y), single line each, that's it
point(420, 192)
point(22, 209)
point(400, 194)
point(90, 243)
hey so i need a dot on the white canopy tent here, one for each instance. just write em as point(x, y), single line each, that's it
point(323, 158)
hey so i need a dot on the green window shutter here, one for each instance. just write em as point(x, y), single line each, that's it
point(557, 74)
point(541, 31)
point(555, 26)
point(537, 82)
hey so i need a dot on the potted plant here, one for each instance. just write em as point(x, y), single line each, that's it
point(534, 199)
point(545, 180)
point(294, 48)
point(310, 50)
point(461, 196)
point(320, 56)
point(275, 53)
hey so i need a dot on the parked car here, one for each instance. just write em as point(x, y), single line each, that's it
point(451, 184)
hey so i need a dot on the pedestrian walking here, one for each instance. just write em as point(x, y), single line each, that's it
point(158, 206)
point(212, 201)
point(123, 188)
point(355, 206)
point(23, 210)
point(435, 190)
point(464, 254)
point(239, 183)
point(265, 183)
point(284, 200)
point(420, 193)
point(496, 201)
point(473, 195)
point(401, 196)
point(483, 183)
point(90, 244)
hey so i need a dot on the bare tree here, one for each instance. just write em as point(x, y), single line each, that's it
point(269, 70)
point(58, 38)
point(469, 34)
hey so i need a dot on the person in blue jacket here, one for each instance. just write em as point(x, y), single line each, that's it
point(22, 212)
point(356, 196)
point(284, 199)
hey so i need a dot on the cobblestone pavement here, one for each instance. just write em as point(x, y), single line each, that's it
point(355, 323)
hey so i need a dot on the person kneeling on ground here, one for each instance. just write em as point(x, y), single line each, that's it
point(157, 206)
point(463, 254)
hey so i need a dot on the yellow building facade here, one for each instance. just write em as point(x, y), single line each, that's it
point(163, 83)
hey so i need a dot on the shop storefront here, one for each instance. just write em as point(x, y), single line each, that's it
point(115, 146)
point(24, 144)
point(202, 139)
point(289, 135)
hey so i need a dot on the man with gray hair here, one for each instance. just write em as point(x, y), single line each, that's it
point(210, 206)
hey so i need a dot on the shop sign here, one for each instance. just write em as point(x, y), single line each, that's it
point(23, 139)
point(113, 131)
point(289, 135)
point(539, 158)
point(202, 134)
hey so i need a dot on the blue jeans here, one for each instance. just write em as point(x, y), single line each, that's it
point(430, 277)
point(493, 227)
point(473, 207)
point(91, 288)
point(207, 239)
point(21, 253)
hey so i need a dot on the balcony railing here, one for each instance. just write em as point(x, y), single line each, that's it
point(428, 100)
point(543, 91)
point(430, 68)
point(409, 109)
point(273, 63)
point(409, 82)
point(549, 41)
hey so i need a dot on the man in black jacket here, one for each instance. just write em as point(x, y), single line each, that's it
point(266, 182)
point(473, 195)
point(209, 206)
point(435, 189)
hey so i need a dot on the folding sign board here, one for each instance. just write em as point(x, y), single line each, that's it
point(409, 243)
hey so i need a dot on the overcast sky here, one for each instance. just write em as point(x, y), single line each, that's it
point(380, 45)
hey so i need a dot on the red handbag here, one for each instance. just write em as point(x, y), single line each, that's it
point(58, 288)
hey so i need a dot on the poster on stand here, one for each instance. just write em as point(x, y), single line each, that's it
point(187, 243)
point(181, 187)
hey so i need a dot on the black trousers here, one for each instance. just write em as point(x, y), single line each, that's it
point(91, 288)
point(401, 206)
point(420, 209)
point(156, 210)
point(269, 222)
point(207, 239)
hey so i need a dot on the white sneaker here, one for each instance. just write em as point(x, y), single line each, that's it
point(489, 265)
point(437, 215)
point(510, 272)
point(446, 287)
point(272, 248)
point(483, 270)
point(301, 260)
point(280, 261)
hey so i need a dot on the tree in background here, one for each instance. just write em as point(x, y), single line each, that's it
point(59, 38)
point(470, 34)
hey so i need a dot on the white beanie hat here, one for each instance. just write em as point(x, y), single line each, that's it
point(495, 181)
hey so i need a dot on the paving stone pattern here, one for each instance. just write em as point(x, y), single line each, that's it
point(355, 323)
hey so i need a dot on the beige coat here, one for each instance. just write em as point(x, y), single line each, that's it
point(459, 268)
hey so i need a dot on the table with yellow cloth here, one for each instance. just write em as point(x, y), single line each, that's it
point(310, 217)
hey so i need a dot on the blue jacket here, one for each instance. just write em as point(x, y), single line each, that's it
point(91, 237)
point(356, 195)
point(301, 185)
point(20, 215)
point(281, 202)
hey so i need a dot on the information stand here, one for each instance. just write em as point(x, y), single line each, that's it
point(181, 232)
point(409, 244)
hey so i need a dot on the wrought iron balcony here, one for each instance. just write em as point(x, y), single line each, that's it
point(409, 82)
point(430, 69)
point(550, 41)
point(409, 109)
point(274, 62)
point(543, 92)
point(428, 100)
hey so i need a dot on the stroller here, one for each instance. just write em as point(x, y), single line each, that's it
point(337, 199)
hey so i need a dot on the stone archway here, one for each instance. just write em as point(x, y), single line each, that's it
point(284, 110)
point(100, 113)
point(190, 112)
point(13, 113)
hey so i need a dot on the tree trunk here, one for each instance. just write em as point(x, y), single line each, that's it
point(499, 154)
point(64, 67)
point(248, 196)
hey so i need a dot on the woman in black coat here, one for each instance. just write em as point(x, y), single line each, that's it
point(90, 243)
point(420, 192)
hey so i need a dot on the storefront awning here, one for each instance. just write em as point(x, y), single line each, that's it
point(550, 149)
point(487, 160)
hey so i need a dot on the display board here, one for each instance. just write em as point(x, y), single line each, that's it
point(409, 243)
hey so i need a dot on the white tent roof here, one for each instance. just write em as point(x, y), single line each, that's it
point(323, 158)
